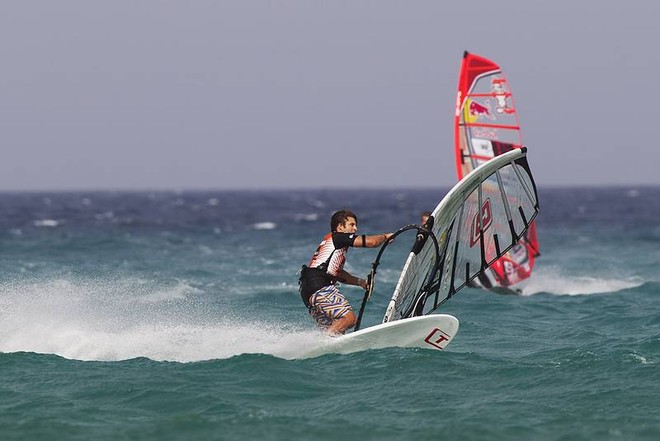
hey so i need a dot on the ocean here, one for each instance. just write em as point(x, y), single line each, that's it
point(176, 316)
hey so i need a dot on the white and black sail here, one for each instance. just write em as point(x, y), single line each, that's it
point(477, 222)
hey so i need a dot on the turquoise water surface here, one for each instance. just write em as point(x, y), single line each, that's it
point(158, 316)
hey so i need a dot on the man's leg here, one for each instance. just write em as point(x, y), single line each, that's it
point(331, 310)
point(340, 325)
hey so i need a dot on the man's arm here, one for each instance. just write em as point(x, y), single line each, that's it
point(349, 279)
point(372, 241)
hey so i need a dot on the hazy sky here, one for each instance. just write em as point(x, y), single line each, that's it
point(303, 94)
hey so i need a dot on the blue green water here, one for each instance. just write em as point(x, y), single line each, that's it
point(157, 316)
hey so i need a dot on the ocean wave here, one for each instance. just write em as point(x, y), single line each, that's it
point(306, 217)
point(264, 226)
point(46, 223)
point(553, 281)
point(163, 342)
point(111, 319)
point(178, 292)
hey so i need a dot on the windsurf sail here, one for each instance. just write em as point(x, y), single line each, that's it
point(474, 225)
point(486, 125)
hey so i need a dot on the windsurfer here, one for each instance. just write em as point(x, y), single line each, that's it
point(318, 280)
point(425, 216)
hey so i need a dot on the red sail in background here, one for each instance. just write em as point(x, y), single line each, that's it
point(486, 125)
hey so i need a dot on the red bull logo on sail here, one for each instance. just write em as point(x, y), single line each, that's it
point(478, 110)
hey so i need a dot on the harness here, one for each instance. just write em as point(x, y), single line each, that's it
point(313, 279)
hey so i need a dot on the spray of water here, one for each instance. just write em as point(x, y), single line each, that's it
point(120, 319)
point(554, 281)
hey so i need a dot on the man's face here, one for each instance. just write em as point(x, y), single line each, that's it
point(349, 226)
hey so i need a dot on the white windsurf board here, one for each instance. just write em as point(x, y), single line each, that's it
point(434, 331)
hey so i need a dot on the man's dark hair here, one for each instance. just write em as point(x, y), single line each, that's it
point(339, 218)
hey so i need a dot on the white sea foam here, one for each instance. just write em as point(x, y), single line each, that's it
point(264, 226)
point(46, 223)
point(105, 215)
point(640, 359)
point(178, 292)
point(123, 319)
point(166, 342)
point(306, 217)
point(551, 280)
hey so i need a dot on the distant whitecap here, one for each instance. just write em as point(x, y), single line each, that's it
point(104, 215)
point(551, 280)
point(264, 226)
point(46, 223)
point(306, 217)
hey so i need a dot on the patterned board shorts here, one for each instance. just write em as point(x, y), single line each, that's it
point(327, 305)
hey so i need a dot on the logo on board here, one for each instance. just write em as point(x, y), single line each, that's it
point(438, 339)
